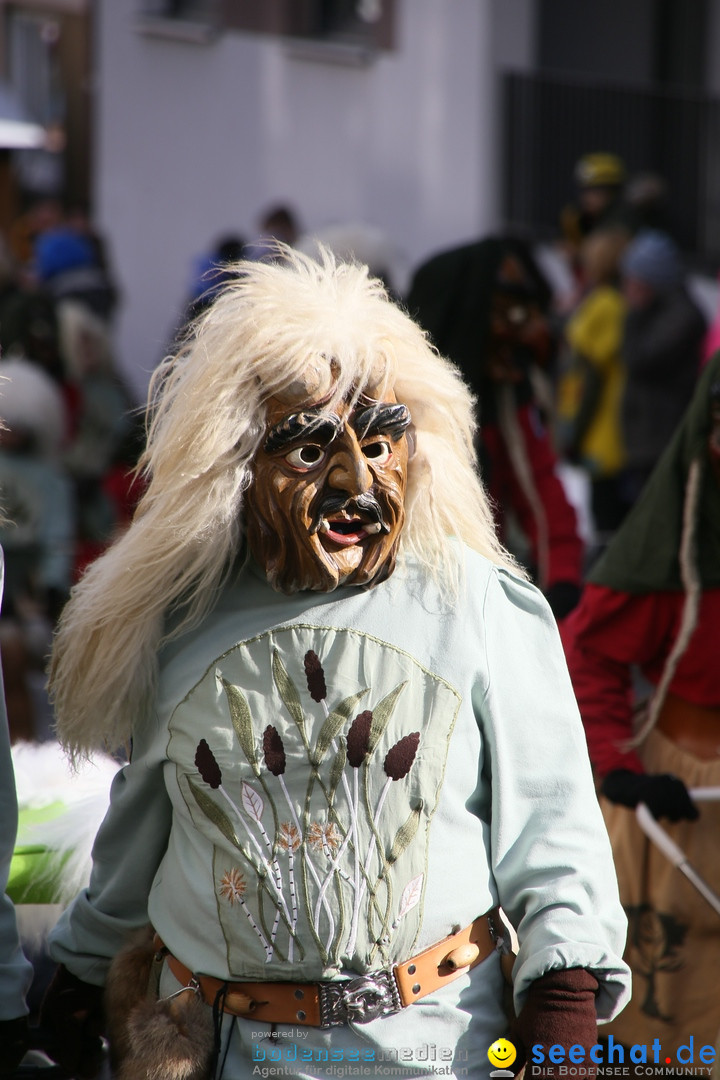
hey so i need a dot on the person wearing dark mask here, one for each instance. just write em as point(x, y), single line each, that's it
point(485, 307)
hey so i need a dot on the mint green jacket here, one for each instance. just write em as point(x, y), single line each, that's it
point(329, 783)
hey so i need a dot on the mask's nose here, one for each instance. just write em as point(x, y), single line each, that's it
point(349, 469)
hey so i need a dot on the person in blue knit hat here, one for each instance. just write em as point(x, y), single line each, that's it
point(67, 265)
point(661, 349)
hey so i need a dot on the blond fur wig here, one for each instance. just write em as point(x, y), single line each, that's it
point(277, 324)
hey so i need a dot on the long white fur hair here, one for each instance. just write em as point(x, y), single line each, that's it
point(274, 325)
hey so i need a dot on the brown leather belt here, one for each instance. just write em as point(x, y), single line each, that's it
point(330, 1004)
point(693, 728)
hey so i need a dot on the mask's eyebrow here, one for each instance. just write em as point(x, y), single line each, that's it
point(322, 426)
point(382, 419)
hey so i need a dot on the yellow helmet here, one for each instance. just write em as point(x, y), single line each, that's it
point(599, 170)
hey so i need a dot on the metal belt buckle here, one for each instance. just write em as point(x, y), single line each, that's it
point(358, 1000)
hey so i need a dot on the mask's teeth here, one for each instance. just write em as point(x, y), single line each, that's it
point(375, 527)
point(324, 526)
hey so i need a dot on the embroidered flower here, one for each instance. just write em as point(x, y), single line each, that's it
point(232, 886)
point(315, 676)
point(400, 757)
point(288, 837)
point(358, 737)
point(273, 750)
point(324, 837)
point(207, 766)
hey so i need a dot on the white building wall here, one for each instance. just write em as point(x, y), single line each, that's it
point(194, 140)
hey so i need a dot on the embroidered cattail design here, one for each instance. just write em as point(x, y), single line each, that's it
point(233, 887)
point(397, 764)
point(315, 676)
point(273, 750)
point(400, 757)
point(207, 766)
point(253, 806)
point(358, 739)
point(289, 837)
point(289, 840)
point(358, 744)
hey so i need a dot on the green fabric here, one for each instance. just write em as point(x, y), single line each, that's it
point(33, 877)
point(643, 556)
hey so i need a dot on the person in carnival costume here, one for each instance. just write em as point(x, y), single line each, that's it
point(484, 305)
point(353, 731)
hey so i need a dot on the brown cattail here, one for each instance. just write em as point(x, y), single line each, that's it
point(401, 756)
point(358, 737)
point(315, 676)
point(273, 750)
point(207, 765)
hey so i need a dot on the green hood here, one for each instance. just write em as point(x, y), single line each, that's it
point(643, 556)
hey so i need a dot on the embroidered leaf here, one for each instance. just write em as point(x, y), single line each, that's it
point(287, 690)
point(252, 802)
point(382, 714)
point(241, 722)
point(410, 895)
point(336, 772)
point(405, 835)
point(334, 723)
point(218, 817)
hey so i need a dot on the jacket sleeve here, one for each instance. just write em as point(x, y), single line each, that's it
point(15, 970)
point(608, 633)
point(551, 856)
point(128, 850)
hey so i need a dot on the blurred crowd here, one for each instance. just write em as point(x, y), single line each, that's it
point(69, 440)
point(584, 357)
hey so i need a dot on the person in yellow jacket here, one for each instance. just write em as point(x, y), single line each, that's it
point(591, 386)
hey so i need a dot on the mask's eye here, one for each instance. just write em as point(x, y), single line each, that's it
point(378, 452)
point(306, 456)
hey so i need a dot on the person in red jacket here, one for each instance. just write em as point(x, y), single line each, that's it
point(652, 606)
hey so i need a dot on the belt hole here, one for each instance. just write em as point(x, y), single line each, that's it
point(412, 969)
point(300, 1014)
point(299, 994)
point(416, 988)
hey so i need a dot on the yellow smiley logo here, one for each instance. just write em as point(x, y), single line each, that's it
point(502, 1053)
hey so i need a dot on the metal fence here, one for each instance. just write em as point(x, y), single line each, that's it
point(548, 123)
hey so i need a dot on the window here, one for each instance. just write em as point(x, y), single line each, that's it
point(182, 20)
point(191, 10)
point(365, 23)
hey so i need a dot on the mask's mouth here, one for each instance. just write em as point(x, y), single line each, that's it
point(345, 522)
point(347, 531)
